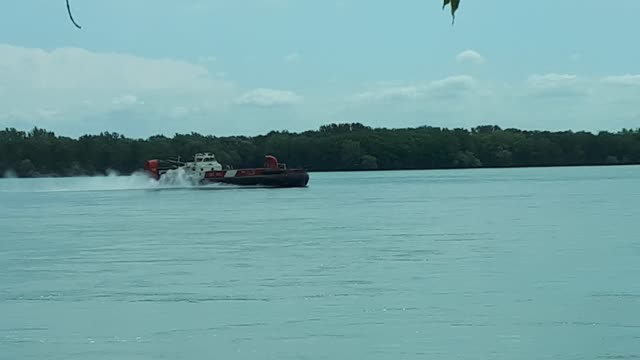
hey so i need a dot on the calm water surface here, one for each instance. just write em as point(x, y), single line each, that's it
point(473, 264)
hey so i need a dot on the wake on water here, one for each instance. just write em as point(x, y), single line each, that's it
point(173, 179)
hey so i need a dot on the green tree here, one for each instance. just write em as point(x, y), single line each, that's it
point(39, 152)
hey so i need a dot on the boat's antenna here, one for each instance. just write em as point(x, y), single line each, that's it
point(71, 16)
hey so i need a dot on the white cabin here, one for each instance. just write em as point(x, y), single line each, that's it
point(202, 162)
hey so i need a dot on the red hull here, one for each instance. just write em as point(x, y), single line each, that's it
point(259, 177)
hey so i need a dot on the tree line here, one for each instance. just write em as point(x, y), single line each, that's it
point(333, 147)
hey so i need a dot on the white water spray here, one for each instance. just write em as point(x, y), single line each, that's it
point(112, 181)
point(10, 174)
point(177, 178)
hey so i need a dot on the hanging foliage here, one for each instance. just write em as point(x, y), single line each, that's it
point(454, 7)
point(71, 16)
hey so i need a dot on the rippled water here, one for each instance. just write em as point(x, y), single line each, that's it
point(472, 264)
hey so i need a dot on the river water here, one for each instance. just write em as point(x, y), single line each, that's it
point(469, 264)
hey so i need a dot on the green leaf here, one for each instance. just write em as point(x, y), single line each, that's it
point(454, 7)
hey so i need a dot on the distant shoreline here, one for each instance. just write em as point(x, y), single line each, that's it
point(479, 168)
point(332, 148)
point(54, 176)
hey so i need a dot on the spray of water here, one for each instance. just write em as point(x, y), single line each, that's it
point(177, 178)
point(9, 174)
point(112, 181)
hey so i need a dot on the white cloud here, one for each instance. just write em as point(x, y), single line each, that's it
point(470, 56)
point(452, 86)
point(293, 57)
point(389, 93)
point(126, 100)
point(447, 87)
point(556, 85)
point(75, 91)
point(625, 80)
point(554, 101)
point(268, 98)
point(207, 59)
point(77, 82)
point(551, 79)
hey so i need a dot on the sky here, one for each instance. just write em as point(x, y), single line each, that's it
point(246, 67)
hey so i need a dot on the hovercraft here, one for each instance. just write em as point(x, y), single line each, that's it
point(205, 169)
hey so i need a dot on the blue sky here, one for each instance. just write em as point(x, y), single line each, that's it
point(142, 67)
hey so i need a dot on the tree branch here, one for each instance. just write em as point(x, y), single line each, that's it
point(71, 16)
